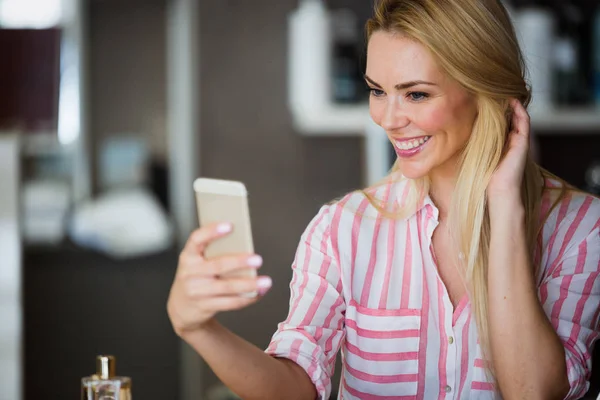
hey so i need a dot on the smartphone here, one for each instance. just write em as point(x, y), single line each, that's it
point(220, 200)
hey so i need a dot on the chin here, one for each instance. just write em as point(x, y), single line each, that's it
point(410, 172)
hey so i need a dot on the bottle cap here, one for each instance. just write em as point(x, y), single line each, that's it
point(105, 367)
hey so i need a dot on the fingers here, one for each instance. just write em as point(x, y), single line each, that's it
point(189, 314)
point(520, 118)
point(203, 288)
point(200, 238)
point(230, 303)
point(193, 264)
point(209, 288)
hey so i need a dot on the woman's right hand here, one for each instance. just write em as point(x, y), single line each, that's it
point(199, 290)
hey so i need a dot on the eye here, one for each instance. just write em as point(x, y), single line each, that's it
point(417, 96)
point(376, 92)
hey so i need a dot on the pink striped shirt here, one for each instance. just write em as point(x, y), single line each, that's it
point(369, 285)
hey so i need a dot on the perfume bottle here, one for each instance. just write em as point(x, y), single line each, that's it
point(104, 385)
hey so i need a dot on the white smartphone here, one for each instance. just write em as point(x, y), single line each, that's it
point(220, 200)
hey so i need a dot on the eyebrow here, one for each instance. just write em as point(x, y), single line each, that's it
point(400, 86)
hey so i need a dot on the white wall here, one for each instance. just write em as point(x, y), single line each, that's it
point(10, 272)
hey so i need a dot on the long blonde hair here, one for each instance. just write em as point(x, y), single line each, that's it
point(475, 44)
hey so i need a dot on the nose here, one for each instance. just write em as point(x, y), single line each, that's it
point(394, 115)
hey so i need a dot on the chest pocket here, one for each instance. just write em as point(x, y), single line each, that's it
point(381, 351)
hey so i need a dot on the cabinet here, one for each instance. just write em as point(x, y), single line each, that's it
point(80, 304)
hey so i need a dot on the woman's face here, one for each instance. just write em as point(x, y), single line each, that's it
point(427, 115)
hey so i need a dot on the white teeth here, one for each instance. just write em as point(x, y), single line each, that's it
point(411, 144)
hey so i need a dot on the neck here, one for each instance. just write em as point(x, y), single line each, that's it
point(442, 184)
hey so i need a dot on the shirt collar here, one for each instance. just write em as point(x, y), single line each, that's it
point(426, 203)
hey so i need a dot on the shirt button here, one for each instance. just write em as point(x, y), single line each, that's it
point(451, 340)
point(448, 389)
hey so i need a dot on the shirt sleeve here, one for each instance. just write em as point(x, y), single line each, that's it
point(570, 293)
point(313, 330)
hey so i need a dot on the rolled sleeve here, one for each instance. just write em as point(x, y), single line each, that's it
point(571, 300)
point(577, 372)
point(313, 330)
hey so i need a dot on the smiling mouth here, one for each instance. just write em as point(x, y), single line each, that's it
point(411, 144)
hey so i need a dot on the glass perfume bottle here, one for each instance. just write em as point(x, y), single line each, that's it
point(104, 385)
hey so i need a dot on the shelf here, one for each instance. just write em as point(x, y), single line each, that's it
point(41, 144)
point(351, 120)
point(566, 121)
point(336, 120)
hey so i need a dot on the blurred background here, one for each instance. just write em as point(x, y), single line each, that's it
point(109, 109)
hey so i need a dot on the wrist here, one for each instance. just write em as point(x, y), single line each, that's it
point(503, 211)
point(505, 201)
point(205, 329)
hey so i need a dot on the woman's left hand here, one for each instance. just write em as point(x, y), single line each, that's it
point(506, 180)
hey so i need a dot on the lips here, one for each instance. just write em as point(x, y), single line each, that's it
point(411, 146)
point(408, 144)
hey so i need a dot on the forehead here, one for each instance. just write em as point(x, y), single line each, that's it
point(398, 58)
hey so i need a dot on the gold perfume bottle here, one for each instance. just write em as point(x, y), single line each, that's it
point(104, 385)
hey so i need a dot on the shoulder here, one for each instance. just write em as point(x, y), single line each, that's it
point(365, 202)
point(357, 214)
point(575, 208)
point(569, 221)
point(356, 208)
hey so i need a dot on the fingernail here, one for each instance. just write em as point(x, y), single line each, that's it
point(264, 283)
point(255, 261)
point(223, 228)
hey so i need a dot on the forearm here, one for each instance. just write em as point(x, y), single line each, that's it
point(246, 369)
point(527, 353)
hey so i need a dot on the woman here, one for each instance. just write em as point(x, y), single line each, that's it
point(469, 272)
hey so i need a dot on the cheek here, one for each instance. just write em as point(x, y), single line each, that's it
point(376, 109)
point(432, 119)
point(442, 120)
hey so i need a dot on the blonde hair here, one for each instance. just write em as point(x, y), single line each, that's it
point(475, 44)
